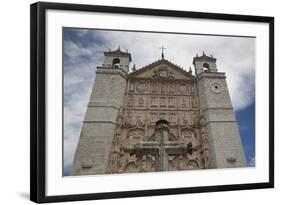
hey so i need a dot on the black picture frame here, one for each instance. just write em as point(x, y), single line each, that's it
point(38, 100)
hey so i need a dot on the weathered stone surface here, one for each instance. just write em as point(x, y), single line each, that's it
point(119, 134)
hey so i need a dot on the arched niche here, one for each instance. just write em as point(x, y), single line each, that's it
point(116, 62)
point(131, 167)
point(206, 67)
point(192, 164)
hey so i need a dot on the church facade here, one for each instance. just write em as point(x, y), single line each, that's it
point(158, 118)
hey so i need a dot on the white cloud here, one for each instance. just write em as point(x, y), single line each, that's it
point(235, 56)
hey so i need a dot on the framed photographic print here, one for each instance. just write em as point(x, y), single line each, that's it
point(129, 102)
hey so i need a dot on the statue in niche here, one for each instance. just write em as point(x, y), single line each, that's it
point(202, 120)
point(153, 102)
point(195, 119)
point(163, 88)
point(162, 102)
point(192, 91)
point(181, 165)
point(171, 88)
point(194, 102)
point(206, 158)
point(118, 139)
point(128, 119)
point(139, 120)
point(148, 164)
point(153, 117)
point(182, 88)
point(122, 160)
point(119, 121)
point(115, 162)
point(185, 102)
point(132, 86)
point(154, 87)
point(171, 102)
point(130, 101)
point(141, 102)
point(141, 86)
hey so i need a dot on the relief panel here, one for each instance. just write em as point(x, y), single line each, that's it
point(141, 101)
point(141, 86)
point(162, 101)
point(171, 87)
point(171, 102)
point(132, 86)
point(153, 101)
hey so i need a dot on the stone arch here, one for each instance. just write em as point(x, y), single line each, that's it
point(192, 164)
point(130, 167)
point(206, 67)
point(115, 62)
point(172, 137)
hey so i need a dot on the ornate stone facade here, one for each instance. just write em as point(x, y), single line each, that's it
point(160, 91)
point(162, 122)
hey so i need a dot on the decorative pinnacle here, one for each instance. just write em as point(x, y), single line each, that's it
point(162, 48)
point(134, 67)
point(204, 53)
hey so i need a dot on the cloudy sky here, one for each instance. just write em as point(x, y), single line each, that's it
point(83, 51)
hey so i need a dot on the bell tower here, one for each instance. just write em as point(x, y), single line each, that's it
point(224, 138)
point(204, 63)
point(100, 120)
point(117, 59)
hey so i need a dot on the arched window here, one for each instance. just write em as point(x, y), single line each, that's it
point(116, 62)
point(206, 67)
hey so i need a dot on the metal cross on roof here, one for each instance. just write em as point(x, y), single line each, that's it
point(162, 48)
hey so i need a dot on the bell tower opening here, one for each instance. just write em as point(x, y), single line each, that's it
point(204, 63)
point(116, 63)
point(206, 67)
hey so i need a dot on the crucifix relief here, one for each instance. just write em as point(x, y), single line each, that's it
point(161, 148)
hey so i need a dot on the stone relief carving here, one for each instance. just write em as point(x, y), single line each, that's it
point(171, 87)
point(153, 101)
point(171, 100)
point(132, 86)
point(163, 72)
point(182, 88)
point(162, 101)
point(130, 101)
point(187, 134)
point(140, 102)
point(141, 86)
